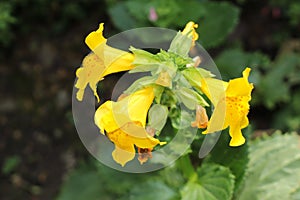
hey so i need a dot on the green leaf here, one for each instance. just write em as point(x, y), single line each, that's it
point(183, 16)
point(232, 62)
point(294, 13)
point(152, 189)
point(83, 183)
point(95, 181)
point(276, 76)
point(273, 170)
point(215, 27)
point(295, 195)
point(172, 176)
point(157, 116)
point(214, 182)
point(121, 18)
point(118, 183)
point(10, 164)
point(6, 20)
point(235, 158)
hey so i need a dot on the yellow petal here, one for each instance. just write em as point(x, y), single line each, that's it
point(237, 138)
point(95, 38)
point(134, 108)
point(146, 142)
point(102, 61)
point(117, 60)
point(124, 154)
point(124, 146)
point(240, 86)
point(138, 136)
point(81, 83)
point(238, 94)
point(244, 122)
point(124, 143)
point(104, 118)
point(111, 116)
point(90, 73)
point(214, 89)
point(190, 31)
point(217, 121)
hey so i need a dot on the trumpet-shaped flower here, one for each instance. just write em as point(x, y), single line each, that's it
point(124, 123)
point(102, 61)
point(231, 105)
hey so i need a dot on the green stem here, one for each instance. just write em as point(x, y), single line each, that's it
point(185, 165)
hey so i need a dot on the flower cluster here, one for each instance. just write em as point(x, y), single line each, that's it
point(134, 122)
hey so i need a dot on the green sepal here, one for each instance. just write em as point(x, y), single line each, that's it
point(144, 61)
point(158, 91)
point(157, 116)
point(180, 119)
point(195, 75)
point(181, 81)
point(181, 45)
point(140, 83)
point(190, 98)
point(180, 61)
point(143, 57)
point(168, 98)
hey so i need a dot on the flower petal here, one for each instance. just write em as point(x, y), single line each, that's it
point(117, 60)
point(134, 108)
point(124, 154)
point(214, 89)
point(104, 118)
point(102, 61)
point(236, 135)
point(95, 38)
point(111, 116)
point(125, 141)
point(190, 31)
point(217, 121)
point(90, 73)
point(240, 86)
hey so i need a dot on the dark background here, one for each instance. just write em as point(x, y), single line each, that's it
point(42, 44)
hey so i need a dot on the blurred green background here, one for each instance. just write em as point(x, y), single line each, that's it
point(42, 44)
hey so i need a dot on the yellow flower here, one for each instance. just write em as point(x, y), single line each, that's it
point(102, 61)
point(124, 122)
point(231, 105)
point(190, 31)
